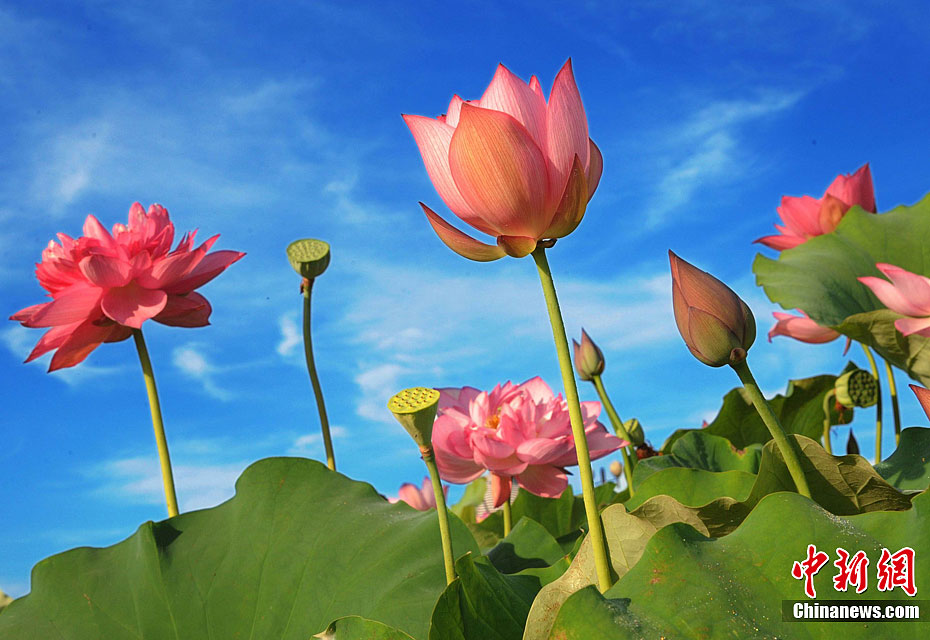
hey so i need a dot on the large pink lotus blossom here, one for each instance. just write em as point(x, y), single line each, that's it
point(105, 284)
point(510, 164)
point(806, 217)
point(420, 498)
point(801, 328)
point(519, 432)
point(907, 293)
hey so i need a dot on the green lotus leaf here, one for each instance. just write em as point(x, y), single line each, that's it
point(909, 466)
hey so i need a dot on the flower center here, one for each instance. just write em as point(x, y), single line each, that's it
point(493, 422)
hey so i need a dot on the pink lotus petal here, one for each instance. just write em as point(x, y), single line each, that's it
point(913, 287)
point(455, 469)
point(538, 390)
point(780, 242)
point(52, 339)
point(93, 229)
point(190, 310)
point(500, 172)
point(893, 298)
point(542, 450)
point(595, 168)
point(75, 304)
point(461, 243)
point(801, 328)
point(509, 94)
point(212, 265)
point(500, 489)
point(911, 326)
point(77, 346)
point(923, 397)
point(132, 305)
point(103, 271)
point(567, 130)
point(855, 188)
point(545, 481)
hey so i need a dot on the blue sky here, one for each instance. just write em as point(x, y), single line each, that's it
point(274, 122)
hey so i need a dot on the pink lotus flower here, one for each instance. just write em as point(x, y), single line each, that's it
point(806, 217)
point(510, 164)
point(420, 498)
point(801, 328)
point(105, 284)
point(907, 293)
point(517, 432)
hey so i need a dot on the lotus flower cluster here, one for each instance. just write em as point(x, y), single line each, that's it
point(510, 165)
point(519, 432)
point(907, 293)
point(420, 498)
point(105, 283)
point(806, 217)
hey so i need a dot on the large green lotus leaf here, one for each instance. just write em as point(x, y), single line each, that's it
point(909, 466)
point(693, 487)
point(357, 628)
point(296, 548)
point(528, 546)
point(800, 410)
point(700, 450)
point(482, 603)
point(471, 498)
point(689, 586)
point(820, 277)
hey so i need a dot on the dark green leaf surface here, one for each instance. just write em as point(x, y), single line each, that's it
point(909, 466)
point(356, 628)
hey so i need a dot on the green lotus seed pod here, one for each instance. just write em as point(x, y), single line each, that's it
point(635, 429)
point(415, 409)
point(856, 388)
point(308, 257)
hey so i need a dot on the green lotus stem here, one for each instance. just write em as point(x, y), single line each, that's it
point(508, 516)
point(788, 447)
point(315, 379)
point(827, 397)
point(430, 459)
point(620, 429)
point(878, 404)
point(893, 392)
point(595, 527)
point(158, 424)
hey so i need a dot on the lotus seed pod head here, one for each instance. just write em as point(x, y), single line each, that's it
point(635, 430)
point(856, 388)
point(589, 359)
point(415, 409)
point(716, 325)
point(851, 445)
point(616, 468)
point(309, 257)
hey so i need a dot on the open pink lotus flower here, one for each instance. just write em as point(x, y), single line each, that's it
point(801, 328)
point(105, 284)
point(510, 164)
point(907, 293)
point(517, 432)
point(420, 498)
point(806, 217)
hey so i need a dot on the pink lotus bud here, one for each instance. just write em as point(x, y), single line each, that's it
point(806, 217)
point(801, 328)
point(511, 164)
point(715, 323)
point(589, 359)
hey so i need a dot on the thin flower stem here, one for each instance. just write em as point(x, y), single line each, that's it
point(315, 379)
point(595, 527)
point(449, 562)
point(508, 517)
point(893, 392)
point(827, 397)
point(620, 429)
point(789, 448)
point(878, 404)
point(158, 424)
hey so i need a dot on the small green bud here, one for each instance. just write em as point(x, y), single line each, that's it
point(415, 409)
point(308, 257)
point(589, 359)
point(635, 430)
point(856, 388)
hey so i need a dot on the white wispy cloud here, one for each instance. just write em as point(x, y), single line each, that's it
point(310, 444)
point(194, 364)
point(20, 340)
point(376, 386)
point(290, 334)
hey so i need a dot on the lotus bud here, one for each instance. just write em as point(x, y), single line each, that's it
point(717, 326)
point(635, 430)
point(415, 409)
point(589, 359)
point(851, 445)
point(856, 388)
point(616, 469)
point(308, 257)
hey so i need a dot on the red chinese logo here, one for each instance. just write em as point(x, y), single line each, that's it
point(852, 571)
point(897, 570)
point(893, 569)
point(808, 568)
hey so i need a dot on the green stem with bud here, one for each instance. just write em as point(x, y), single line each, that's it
point(790, 451)
point(595, 527)
point(430, 459)
point(620, 429)
point(315, 379)
point(893, 392)
point(158, 424)
point(827, 397)
point(878, 404)
point(508, 517)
